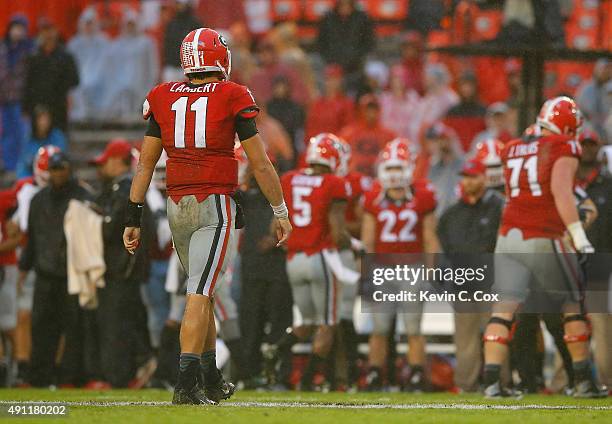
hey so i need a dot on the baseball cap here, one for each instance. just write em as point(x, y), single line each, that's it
point(117, 148)
point(473, 167)
point(59, 160)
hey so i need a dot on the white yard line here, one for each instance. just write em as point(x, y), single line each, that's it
point(255, 404)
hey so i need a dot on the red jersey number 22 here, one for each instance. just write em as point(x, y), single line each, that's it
point(179, 107)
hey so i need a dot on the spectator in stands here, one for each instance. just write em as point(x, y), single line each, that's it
point(276, 138)
point(132, 70)
point(292, 54)
point(121, 314)
point(366, 135)
point(42, 133)
point(289, 113)
point(467, 117)
point(411, 49)
point(14, 50)
point(398, 103)
point(55, 313)
point(269, 68)
point(374, 80)
point(243, 61)
point(183, 22)
point(438, 99)
point(346, 36)
point(470, 226)
point(425, 16)
point(442, 145)
point(50, 73)
point(497, 125)
point(90, 49)
point(592, 96)
point(337, 105)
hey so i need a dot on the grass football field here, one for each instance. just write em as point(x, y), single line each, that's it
point(153, 406)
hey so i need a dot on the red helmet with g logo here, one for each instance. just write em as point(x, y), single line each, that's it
point(324, 149)
point(489, 153)
point(205, 50)
point(396, 164)
point(561, 116)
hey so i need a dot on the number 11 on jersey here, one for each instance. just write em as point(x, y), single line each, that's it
point(179, 107)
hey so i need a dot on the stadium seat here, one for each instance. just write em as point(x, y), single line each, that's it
point(286, 10)
point(388, 15)
point(315, 9)
point(472, 24)
point(583, 26)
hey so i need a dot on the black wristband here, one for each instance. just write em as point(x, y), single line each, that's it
point(134, 214)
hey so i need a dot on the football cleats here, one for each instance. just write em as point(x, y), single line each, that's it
point(324, 149)
point(560, 116)
point(41, 164)
point(395, 164)
point(205, 50)
point(489, 153)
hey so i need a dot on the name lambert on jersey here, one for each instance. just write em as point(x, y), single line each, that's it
point(181, 87)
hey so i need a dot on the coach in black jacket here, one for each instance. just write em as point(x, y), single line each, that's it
point(123, 336)
point(54, 312)
point(598, 184)
point(470, 226)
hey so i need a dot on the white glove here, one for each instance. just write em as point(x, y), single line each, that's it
point(579, 238)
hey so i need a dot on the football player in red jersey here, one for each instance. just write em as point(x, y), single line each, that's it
point(399, 219)
point(541, 208)
point(195, 122)
point(317, 203)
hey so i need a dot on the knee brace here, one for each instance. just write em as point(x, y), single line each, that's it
point(577, 338)
point(494, 338)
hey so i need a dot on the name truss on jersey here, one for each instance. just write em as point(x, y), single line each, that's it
point(181, 87)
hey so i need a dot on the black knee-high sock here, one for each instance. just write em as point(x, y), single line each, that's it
point(209, 367)
point(189, 366)
point(491, 374)
point(582, 370)
point(349, 335)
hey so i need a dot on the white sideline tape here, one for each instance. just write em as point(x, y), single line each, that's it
point(253, 404)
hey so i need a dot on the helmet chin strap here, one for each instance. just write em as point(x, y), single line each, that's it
point(223, 71)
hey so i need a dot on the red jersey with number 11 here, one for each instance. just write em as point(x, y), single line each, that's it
point(528, 165)
point(198, 127)
point(309, 199)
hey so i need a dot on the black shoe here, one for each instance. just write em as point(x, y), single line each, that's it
point(495, 391)
point(374, 381)
point(416, 382)
point(195, 396)
point(221, 390)
point(588, 389)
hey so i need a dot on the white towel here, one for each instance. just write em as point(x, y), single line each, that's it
point(85, 248)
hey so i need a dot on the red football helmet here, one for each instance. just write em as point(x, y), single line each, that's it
point(205, 50)
point(489, 153)
point(561, 116)
point(41, 164)
point(396, 164)
point(324, 149)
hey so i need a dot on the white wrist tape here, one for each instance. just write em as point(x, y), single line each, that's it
point(578, 235)
point(280, 211)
